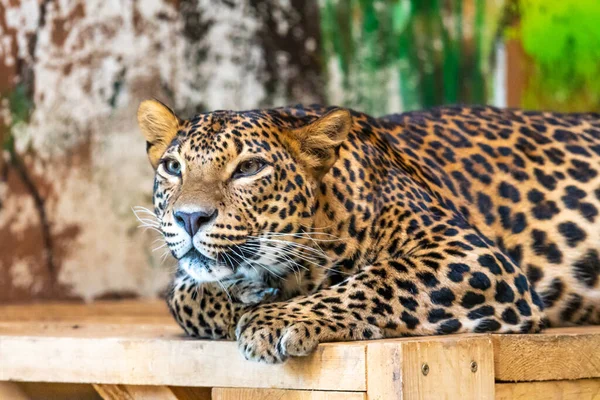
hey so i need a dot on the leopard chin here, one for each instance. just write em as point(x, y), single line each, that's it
point(202, 269)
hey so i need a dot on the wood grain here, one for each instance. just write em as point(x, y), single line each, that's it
point(113, 392)
point(146, 392)
point(57, 391)
point(11, 390)
point(123, 311)
point(157, 355)
point(191, 393)
point(141, 345)
point(384, 371)
point(275, 394)
point(557, 354)
point(582, 389)
point(395, 369)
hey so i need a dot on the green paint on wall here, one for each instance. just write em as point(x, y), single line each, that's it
point(20, 107)
point(395, 55)
point(562, 37)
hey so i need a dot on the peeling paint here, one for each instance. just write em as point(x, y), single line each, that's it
point(20, 212)
point(21, 274)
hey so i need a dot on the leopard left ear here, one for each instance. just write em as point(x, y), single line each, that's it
point(317, 144)
point(159, 125)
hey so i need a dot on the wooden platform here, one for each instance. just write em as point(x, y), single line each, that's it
point(133, 350)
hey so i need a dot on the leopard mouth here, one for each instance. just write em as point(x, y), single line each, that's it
point(238, 260)
point(194, 256)
point(204, 269)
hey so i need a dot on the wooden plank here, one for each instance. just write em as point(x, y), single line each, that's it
point(73, 343)
point(11, 390)
point(123, 311)
point(113, 392)
point(191, 393)
point(146, 392)
point(57, 391)
point(451, 367)
point(275, 394)
point(153, 355)
point(459, 368)
point(582, 389)
point(557, 354)
point(45, 330)
point(384, 370)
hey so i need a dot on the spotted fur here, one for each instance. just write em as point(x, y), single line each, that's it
point(455, 219)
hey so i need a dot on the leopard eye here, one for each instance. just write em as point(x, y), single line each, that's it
point(248, 168)
point(173, 167)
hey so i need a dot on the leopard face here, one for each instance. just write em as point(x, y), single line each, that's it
point(232, 190)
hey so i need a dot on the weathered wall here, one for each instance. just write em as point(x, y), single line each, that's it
point(72, 73)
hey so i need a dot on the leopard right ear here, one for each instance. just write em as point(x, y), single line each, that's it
point(317, 144)
point(159, 125)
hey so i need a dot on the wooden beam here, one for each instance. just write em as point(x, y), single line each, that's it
point(156, 355)
point(145, 392)
point(384, 371)
point(275, 394)
point(144, 346)
point(582, 389)
point(113, 392)
point(122, 311)
point(57, 391)
point(448, 367)
point(11, 390)
point(557, 354)
point(191, 393)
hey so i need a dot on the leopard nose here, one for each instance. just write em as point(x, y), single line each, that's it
point(193, 221)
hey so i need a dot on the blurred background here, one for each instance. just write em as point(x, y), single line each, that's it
point(72, 73)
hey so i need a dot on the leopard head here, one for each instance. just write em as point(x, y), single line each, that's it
point(232, 190)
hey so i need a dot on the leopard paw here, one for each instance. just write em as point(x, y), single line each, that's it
point(276, 342)
point(252, 293)
point(269, 335)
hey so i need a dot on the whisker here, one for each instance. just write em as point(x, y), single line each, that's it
point(297, 248)
point(250, 262)
point(266, 250)
point(143, 210)
point(315, 258)
point(304, 257)
point(159, 247)
point(322, 266)
point(224, 289)
point(145, 227)
point(149, 222)
point(164, 256)
point(145, 215)
point(299, 245)
point(304, 235)
point(294, 253)
point(288, 262)
point(275, 257)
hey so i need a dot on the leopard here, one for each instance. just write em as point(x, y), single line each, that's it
point(299, 225)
